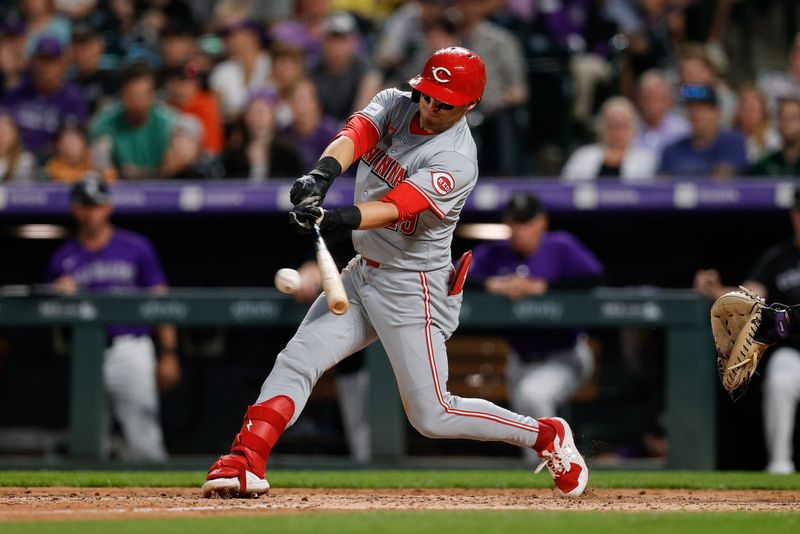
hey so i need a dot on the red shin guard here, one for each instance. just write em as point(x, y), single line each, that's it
point(262, 426)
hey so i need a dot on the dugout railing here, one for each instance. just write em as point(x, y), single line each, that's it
point(690, 395)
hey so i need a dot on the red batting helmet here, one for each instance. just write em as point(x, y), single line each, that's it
point(452, 75)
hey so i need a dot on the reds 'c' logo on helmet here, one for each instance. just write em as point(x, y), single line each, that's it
point(441, 74)
point(453, 75)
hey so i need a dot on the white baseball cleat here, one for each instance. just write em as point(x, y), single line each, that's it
point(229, 478)
point(565, 463)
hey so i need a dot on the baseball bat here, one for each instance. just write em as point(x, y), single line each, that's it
point(331, 280)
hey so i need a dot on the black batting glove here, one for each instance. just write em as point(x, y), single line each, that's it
point(303, 218)
point(310, 189)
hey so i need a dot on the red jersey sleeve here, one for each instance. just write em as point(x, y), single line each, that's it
point(362, 131)
point(408, 200)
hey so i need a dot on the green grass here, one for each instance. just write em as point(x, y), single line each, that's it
point(438, 522)
point(409, 479)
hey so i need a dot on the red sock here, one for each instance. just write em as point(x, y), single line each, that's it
point(547, 434)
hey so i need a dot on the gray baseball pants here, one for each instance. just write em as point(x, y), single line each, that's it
point(412, 315)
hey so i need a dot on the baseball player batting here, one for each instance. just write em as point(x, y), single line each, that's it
point(417, 166)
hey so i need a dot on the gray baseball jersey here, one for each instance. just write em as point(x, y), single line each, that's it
point(442, 167)
point(401, 297)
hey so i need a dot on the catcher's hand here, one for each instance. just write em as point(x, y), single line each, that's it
point(743, 327)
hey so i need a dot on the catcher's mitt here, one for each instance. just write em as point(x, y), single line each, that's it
point(743, 327)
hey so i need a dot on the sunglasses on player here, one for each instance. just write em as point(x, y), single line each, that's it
point(442, 105)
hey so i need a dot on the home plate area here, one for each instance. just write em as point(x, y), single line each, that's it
point(36, 504)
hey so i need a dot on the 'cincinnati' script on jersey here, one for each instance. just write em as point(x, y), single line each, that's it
point(385, 167)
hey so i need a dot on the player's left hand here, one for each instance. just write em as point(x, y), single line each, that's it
point(309, 190)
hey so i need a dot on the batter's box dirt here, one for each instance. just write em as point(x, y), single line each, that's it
point(36, 504)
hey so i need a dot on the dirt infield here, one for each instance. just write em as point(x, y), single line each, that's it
point(36, 504)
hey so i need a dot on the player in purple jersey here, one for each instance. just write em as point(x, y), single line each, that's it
point(105, 258)
point(417, 164)
point(547, 365)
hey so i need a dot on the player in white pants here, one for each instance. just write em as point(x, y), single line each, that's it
point(775, 277)
point(546, 365)
point(129, 374)
point(105, 258)
point(780, 397)
point(417, 166)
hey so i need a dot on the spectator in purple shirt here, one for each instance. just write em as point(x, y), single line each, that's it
point(104, 258)
point(546, 365)
point(310, 130)
point(708, 150)
point(42, 103)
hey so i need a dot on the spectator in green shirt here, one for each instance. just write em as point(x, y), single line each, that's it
point(138, 126)
point(784, 162)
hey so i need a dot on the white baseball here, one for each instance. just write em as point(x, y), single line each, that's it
point(287, 280)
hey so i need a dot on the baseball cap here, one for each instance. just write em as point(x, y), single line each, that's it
point(522, 207)
point(703, 94)
point(48, 47)
point(341, 23)
point(91, 191)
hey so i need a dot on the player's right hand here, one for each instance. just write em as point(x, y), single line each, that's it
point(707, 282)
point(309, 190)
point(303, 218)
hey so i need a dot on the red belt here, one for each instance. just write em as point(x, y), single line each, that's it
point(371, 263)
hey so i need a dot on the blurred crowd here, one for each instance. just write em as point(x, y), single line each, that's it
point(255, 89)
